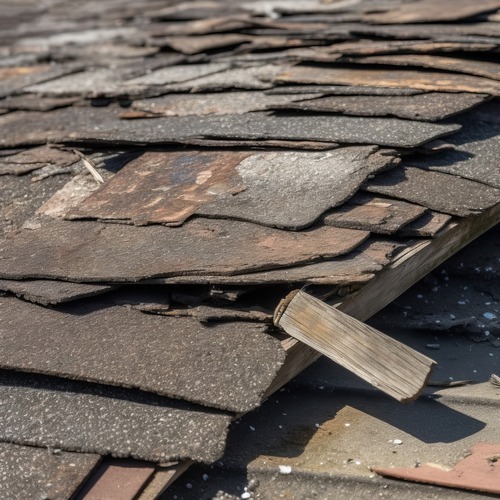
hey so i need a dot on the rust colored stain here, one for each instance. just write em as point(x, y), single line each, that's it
point(479, 471)
point(164, 187)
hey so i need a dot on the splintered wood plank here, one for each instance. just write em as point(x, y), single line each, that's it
point(389, 365)
point(409, 267)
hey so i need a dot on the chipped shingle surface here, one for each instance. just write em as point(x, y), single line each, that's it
point(88, 418)
point(118, 346)
point(435, 190)
point(97, 252)
point(29, 472)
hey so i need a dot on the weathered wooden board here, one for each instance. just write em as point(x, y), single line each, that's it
point(98, 252)
point(435, 190)
point(89, 418)
point(422, 80)
point(426, 107)
point(375, 214)
point(123, 347)
point(389, 365)
point(29, 472)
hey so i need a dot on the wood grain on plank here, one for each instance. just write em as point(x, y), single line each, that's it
point(389, 365)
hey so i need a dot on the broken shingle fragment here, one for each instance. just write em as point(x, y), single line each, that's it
point(173, 357)
point(51, 292)
point(435, 190)
point(426, 226)
point(422, 80)
point(431, 106)
point(29, 472)
point(374, 214)
point(269, 188)
point(113, 253)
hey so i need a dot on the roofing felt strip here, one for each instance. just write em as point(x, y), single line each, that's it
point(226, 366)
point(29, 472)
point(425, 11)
point(424, 80)
point(426, 107)
point(52, 292)
point(114, 253)
point(269, 188)
point(453, 64)
point(374, 214)
point(435, 190)
point(89, 418)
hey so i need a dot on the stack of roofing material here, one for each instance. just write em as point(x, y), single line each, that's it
point(171, 171)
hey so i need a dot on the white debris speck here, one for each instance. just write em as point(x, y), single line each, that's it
point(347, 424)
point(491, 354)
point(357, 462)
point(452, 316)
point(419, 296)
point(252, 428)
point(205, 477)
point(247, 494)
point(285, 469)
point(489, 315)
point(433, 346)
point(461, 302)
point(397, 441)
point(450, 378)
point(474, 371)
point(317, 426)
point(189, 486)
point(487, 333)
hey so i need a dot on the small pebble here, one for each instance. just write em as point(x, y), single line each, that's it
point(189, 486)
point(246, 495)
point(285, 469)
point(205, 477)
point(397, 441)
point(433, 346)
point(489, 315)
point(252, 428)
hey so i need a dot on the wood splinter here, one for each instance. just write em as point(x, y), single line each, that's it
point(389, 365)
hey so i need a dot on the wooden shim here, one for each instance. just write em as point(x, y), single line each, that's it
point(389, 365)
point(409, 267)
point(162, 479)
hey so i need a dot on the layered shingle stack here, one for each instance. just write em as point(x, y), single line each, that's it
point(169, 170)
